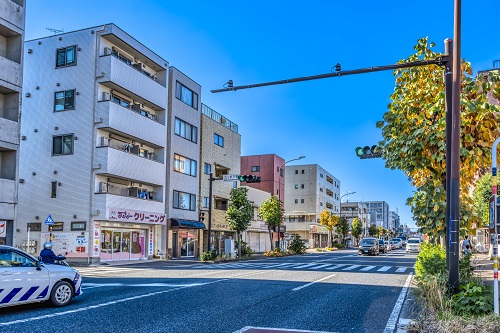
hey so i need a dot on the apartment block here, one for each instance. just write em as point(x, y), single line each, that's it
point(12, 19)
point(219, 155)
point(184, 109)
point(93, 150)
point(309, 190)
point(394, 221)
point(381, 209)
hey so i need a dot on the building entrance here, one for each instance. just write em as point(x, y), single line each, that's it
point(120, 244)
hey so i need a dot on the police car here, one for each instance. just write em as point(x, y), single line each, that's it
point(24, 279)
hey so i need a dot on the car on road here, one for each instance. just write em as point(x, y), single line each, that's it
point(381, 246)
point(369, 245)
point(25, 279)
point(399, 243)
point(388, 245)
point(413, 245)
point(393, 244)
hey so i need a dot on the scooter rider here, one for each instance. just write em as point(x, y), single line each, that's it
point(48, 256)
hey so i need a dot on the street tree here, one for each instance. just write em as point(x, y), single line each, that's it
point(414, 134)
point(240, 212)
point(380, 231)
point(481, 198)
point(343, 228)
point(271, 212)
point(356, 228)
point(326, 219)
point(372, 231)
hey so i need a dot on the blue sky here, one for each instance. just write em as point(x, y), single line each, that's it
point(258, 41)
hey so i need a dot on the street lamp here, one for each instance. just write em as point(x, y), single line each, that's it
point(279, 189)
point(340, 204)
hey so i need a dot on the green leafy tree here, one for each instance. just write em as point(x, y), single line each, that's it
point(414, 134)
point(271, 212)
point(372, 231)
point(356, 228)
point(481, 198)
point(343, 228)
point(240, 212)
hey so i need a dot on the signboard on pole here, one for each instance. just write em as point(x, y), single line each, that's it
point(229, 178)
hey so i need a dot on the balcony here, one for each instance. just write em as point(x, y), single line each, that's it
point(126, 79)
point(131, 122)
point(12, 11)
point(108, 200)
point(7, 191)
point(9, 131)
point(125, 165)
point(10, 71)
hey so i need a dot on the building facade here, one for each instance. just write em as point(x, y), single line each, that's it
point(381, 209)
point(309, 190)
point(184, 108)
point(267, 167)
point(394, 221)
point(12, 19)
point(257, 235)
point(219, 155)
point(94, 146)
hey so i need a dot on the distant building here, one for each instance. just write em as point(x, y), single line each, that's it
point(381, 209)
point(257, 235)
point(309, 189)
point(12, 18)
point(265, 166)
point(394, 221)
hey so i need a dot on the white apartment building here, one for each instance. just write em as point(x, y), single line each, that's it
point(393, 220)
point(93, 150)
point(257, 234)
point(309, 190)
point(12, 18)
point(381, 209)
point(220, 155)
point(184, 109)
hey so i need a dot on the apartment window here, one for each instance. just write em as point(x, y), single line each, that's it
point(221, 204)
point(321, 175)
point(218, 140)
point(296, 200)
point(207, 168)
point(58, 226)
point(321, 204)
point(277, 169)
point(302, 172)
point(301, 200)
point(66, 56)
point(186, 95)
point(184, 165)
point(186, 201)
point(296, 186)
point(53, 191)
point(205, 202)
point(256, 168)
point(64, 100)
point(78, 226)
point(281, 173)
point(321, 189)
point(62, 144)
point(302, 186)
point(296, 172)
point(121, 101)
point(235, 184)
point(186, 130)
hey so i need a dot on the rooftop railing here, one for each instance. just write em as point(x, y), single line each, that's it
point(214, 115)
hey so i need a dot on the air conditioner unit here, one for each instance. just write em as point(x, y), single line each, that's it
point(106, 96)
point(103, 187)
point(104, 141)
point(107, 51)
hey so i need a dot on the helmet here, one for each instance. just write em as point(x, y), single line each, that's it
point(48, 245)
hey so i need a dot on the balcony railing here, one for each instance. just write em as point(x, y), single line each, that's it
point(127, 105)
point(136, 66)
point(214, 115)
point(127, 147)
point(134, 192)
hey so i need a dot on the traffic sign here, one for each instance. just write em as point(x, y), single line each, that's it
point(49, 220)
point(229, 178)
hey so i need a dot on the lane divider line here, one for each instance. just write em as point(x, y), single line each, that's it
point(311, 283)
point(393, 318)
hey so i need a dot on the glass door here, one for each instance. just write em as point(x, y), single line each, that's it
point(126, 245)
point(117, 245)
point(106, 245)
point(137, 246)
point(187, 243)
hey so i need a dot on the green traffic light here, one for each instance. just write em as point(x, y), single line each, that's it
point(241, 178)
point(359, 151)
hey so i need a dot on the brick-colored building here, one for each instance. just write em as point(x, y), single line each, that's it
point(265, 166)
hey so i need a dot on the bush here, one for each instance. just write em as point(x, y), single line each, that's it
point(275, 253)
point(246, 250)
point(430, 261)
point(338, 245)
point(473, 300)
point(297, 245)
point(208, 256)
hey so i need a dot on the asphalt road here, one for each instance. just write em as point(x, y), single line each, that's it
point(328, 292)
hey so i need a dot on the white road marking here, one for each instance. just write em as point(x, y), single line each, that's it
point(384, 269)
point(391, 323)
point(304, 266)
point(401, 269)
point(311, 283)
point(350, 268)
point(367, 268)
point(321, 266)
point(337, 266)
point(97, 285)
point(270, 329)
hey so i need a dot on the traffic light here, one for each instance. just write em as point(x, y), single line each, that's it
point(202, 216)
point(367, 152)
point(249, 178)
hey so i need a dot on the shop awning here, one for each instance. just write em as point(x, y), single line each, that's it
point(187, 224)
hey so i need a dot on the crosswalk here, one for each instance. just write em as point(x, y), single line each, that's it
point(311, 266)
point(108, 271)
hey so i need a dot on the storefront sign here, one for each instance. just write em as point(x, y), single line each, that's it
point(151, 240)
point(74, 243)
point(128, 215)
point(97, 237)
point(318, 229)
point(3, 228)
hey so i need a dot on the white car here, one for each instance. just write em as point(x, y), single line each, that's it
point(413, 244)
point(24, 279)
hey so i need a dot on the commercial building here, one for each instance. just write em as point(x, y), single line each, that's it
point(219, 155)
point(309, 190)
point(381, 209)
point(94, 147)
point(266, 167)
point(12, 18)
point(257, 234)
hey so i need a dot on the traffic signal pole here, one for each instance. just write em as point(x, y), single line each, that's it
point(494, 190)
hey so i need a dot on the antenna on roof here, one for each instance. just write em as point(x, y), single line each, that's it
point(55, 31)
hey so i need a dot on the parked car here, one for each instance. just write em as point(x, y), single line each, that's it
point(369, 245)
point(413, 245)
point(399, 242)
point(25, 279)
point(381, 246)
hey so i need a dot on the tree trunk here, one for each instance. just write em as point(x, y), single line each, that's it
point(239, 244)
point(270, 236)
